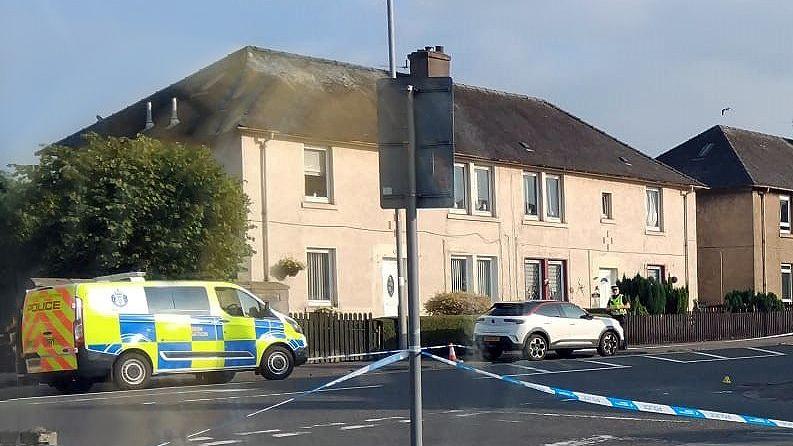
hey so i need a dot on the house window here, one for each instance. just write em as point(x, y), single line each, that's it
point(784, 216)
point(486, 276)
point(787, 283)
point(553, 197)
point(459, 267)
point(556, 280)
point(655, 272)
point(315, 172)
point(483, 190)
point(321, 275)
point(654, 209)
point(605, 205)
point(531, 197)
point(532, 271)
point(460, 187)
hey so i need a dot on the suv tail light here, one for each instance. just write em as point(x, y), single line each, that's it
point(515, 321)
point(79, 332)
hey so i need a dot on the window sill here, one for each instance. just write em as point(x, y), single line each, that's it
point(608, 221)
point(785, 235)
point(550, 224)
point(319, 205)
point(475, 217)
point(655, 232)
point(320, 303)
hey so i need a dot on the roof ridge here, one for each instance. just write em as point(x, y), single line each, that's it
point(786, 139)
point(501, 92)
point(629, 147)
point(314, 58)
point(735, 152)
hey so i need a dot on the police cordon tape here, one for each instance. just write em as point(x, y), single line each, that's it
point(620, 403)
point(386, 352)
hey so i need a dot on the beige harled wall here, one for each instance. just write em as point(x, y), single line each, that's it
point(362, 233)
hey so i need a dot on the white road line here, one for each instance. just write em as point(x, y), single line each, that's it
point(404, 421)
point(148, 403)
point(525, 367)
point(266, 431)
point(665, 359)
point(382, 419)
point(566, 415)
point(584, 441)
point(338, 423)
point(771, 352)
point(266, 395)
point(269, 407)
point(200, 439)
point(290, 434)
point(164, 444)
point(199, 433)
point(357, 426)
point(594, 369)
point(709, 354)
point(219, 442)
point(604, 363)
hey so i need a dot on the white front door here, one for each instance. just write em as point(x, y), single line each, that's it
point(390, 283)
point(606, 278)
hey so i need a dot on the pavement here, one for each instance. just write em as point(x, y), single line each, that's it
point(460, 408)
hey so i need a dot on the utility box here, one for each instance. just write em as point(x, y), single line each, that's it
point(433, 111)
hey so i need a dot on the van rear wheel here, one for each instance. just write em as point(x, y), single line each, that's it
point(132, 371)
point(277, 363)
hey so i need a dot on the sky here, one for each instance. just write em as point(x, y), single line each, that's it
point(650, 73)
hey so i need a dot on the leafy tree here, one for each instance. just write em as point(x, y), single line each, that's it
point(120, 204)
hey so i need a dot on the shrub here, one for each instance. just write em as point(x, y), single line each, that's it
point(652, 296)
point(435, 330)
point(456, 304)
point(748, 301)
point(766, 302)
point(737, 301)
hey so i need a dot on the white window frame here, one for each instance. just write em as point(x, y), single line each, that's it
point(538, 189)
point(467, 189)
point(474, 195)
point(493, 294)
point(563, 279)
point(331, 285)
point(660, 225)
point(541, 277)
point(607, 212)
point(784, 227)
point(656, 267)
point(469, 285)
point(786, 269)
point(328, 175)
point(560, 197)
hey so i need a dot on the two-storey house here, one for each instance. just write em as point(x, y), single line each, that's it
point(546, 205)
point(743, 219)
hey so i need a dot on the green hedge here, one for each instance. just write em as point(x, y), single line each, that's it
point(435, 330)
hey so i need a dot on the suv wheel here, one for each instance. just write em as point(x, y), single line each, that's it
point(491, 353)
point(609, 343)
point(132, 371)
point(277, 363)
point(535, 348)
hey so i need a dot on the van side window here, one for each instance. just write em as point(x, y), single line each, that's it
point(177, 300)
point(238, 303)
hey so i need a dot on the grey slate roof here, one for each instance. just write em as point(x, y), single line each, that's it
point(737, 158)
point(317, 98)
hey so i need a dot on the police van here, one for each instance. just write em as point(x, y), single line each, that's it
point(77, 332)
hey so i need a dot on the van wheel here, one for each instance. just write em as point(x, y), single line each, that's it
point(277, 363)
point(215, 377)
point(132, 371)
point(609, 343)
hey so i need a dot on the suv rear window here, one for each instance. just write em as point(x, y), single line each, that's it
point(511, 309)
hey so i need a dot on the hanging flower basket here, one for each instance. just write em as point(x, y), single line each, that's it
point(290, 267)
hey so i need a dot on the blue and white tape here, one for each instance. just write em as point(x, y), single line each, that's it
point(620, 403)
point(385, 352)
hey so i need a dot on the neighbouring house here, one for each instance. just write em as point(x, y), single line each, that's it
point(546, 205)
point(743, 218)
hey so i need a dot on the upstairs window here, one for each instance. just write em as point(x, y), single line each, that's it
point(531, 197)
point(553, 197)
point(654, 209)
point(315, 172)
point(605, 206)
point(460, 187)
point(484, 191)
point(784, 215)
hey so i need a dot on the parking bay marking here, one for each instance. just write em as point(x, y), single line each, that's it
point(714, 357)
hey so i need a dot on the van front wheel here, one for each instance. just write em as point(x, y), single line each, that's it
point(277, 363)
point(132, 371)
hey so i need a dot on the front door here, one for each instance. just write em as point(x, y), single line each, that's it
point(607, 277)
point(390, 284)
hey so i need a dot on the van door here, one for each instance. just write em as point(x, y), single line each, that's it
point(239, 330)
point(48, 330)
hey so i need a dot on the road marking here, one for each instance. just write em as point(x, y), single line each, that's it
point(594, 369)
point(607, 417)
point(584, 441)
point(270, 407)
point(290, 434)
point(148, 403)
point(164, 444)
point(592, 361)
point(526, 367)
point(219, 442)
point(266, 431)
point(199, 433)
point(200, 439)
point(709, 354)
point(569, 399)
point(383, 419)
point(404, 421)
point(454, 411)
point(338, 423)
point(665, 359)
point(266, 395)
point(357, 426)
point(766, 351)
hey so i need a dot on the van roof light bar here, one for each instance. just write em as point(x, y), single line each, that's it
point(133, 276)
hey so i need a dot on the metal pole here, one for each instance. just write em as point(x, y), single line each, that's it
point(401, 297)
point(413, 283)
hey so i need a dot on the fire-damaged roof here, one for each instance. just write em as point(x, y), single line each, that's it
point(316, 98)
point(725, 157)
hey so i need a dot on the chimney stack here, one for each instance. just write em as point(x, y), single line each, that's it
point(149, 120)
point(174, 115)
point(429, 62)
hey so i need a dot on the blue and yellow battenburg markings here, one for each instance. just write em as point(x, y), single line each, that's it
point(180, 342)
point(620, 403)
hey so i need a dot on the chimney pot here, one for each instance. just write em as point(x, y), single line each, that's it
point(174, 115)
point(429, 62)
point(149, 120)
